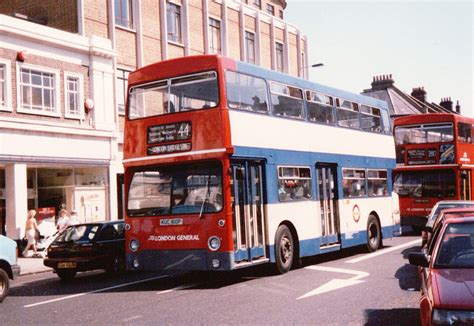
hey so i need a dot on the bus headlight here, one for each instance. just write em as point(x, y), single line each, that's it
point(134, 245)
point(214, 243)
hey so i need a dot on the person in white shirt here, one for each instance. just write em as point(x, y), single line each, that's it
point(74, 219)
point(63, 221)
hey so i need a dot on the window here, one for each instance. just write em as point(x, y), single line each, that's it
point(280, 14)
point(246, 92)
point(294, 183)
point(173, 18)
point(123, 13)
point(5, 86)
point(38, 91)
point(214, 36)
point(250, 47)
point(320, 108)
point(421, 184)
point(73, 95)
point(421, 134)
point(370, 119)
point(456, 247)
point(279, 57)
point(184, 93)
point(353, 183)
point(347, 114)
point(121, 89)
point(271, 9)
point(464, 132)
point(287, 101)
point(387, 127)
point(258, 4)
point(377, 184)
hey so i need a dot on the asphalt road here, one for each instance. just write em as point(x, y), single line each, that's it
point(349, 287)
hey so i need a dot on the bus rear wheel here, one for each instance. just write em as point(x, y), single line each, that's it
point(4, 284)
point(374, 234)
point(284, 249)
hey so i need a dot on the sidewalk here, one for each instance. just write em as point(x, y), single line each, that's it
point(32, 266)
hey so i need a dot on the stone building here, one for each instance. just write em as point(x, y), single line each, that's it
point(63, 78)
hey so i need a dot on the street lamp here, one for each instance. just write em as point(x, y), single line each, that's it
point(319, 64)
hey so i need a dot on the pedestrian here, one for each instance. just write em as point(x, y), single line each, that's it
point(63, 221)
point(73, 219)
point(30, 232)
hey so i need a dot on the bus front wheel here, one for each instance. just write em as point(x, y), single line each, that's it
point(284, 249)
point(374, 234)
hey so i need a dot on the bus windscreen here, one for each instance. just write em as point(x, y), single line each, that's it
point(184, 93)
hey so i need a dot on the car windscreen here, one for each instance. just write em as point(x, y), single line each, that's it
point(181, 189)
point(456, 248)
point(78, 233)
point(438, 210)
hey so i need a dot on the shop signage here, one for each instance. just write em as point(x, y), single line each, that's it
point(46, 212)
point(169, 132)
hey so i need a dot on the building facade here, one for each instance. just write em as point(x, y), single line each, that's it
point(63, 81)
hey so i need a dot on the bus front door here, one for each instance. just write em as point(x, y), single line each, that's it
point(328, 200)
point(465, 185)
point(248, 221)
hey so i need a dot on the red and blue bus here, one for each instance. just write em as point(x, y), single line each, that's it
point(229, 165)
point(435, 160)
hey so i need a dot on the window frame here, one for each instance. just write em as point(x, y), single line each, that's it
point(368, 177)
point(302, 99)
point(123, 72)
point(364, 195)
point(177, 35)
point(267, 87)
point(279, 56)
point(80, 96)
point(308, 98)
point(56, 97)
point(218, 30)
point(250, 41)
point(270, 9)
point(7, 86)
point(354, 108)
point(123, 21)
point(298, 177)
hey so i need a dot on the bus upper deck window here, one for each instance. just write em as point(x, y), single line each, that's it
point(246, 92)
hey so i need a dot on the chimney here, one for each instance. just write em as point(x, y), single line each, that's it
point(382, 82)
point(458, 107)
point(419, 93)
point(446, 103)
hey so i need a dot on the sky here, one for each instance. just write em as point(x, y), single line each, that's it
point(420, 42)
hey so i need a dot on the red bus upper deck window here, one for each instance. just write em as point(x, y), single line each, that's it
point(184, 93)
point(427, 133)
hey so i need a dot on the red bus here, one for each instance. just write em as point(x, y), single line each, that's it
point(435, 160)
point(228, 165)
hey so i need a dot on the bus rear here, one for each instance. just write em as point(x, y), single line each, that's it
point(434, 153)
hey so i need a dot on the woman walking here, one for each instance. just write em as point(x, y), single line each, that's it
point(30, 232)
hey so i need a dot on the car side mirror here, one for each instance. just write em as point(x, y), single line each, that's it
point(418, 259)
point(426, 228)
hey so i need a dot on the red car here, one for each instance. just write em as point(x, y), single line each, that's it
point(447, 278)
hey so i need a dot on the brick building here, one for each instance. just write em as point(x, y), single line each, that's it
point(63, 72)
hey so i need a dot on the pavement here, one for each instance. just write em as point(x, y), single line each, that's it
point(32, 265)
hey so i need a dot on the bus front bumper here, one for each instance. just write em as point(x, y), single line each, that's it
point(180, 260)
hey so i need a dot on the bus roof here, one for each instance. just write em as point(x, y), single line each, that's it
point(191, 64)
point(431, 118)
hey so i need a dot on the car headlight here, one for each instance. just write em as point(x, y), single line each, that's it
point(134, 245)
point(214, 243)
point(453, 317)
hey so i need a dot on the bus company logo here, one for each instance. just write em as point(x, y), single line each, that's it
point(465, 158)
point(172, 237)
point(356, 213)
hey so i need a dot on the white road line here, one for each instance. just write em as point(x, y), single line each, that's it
point(90, 292)
point(181, 287)
point(383, 251)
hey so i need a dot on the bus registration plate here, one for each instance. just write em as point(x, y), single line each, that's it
point(171, 221)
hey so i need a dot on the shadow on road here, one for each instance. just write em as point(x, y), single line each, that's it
point(400, 316)
point(407, 275)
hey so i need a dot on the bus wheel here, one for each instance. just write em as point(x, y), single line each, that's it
point(374, 235)
point(4, 284)
point(284, 249)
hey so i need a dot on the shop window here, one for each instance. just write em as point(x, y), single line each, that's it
point(294, 183)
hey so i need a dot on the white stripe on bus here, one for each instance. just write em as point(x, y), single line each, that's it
point(155, 157)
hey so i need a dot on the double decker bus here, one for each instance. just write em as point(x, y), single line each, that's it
point(229, 165)
point(435, 160)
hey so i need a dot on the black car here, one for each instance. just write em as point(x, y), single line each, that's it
point(85, 247)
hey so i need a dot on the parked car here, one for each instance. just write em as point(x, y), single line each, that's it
point(85, 247)
point(447, 275)
point(9, 268)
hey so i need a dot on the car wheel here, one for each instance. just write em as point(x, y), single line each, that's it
point(117, 265)
point(4, 285)
point(374, 235)
point(284, 249)
point(66, 274)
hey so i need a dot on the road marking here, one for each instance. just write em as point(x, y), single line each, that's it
point(95, 291)
point(382, 252)
point(181, 287)
point(335, 283)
